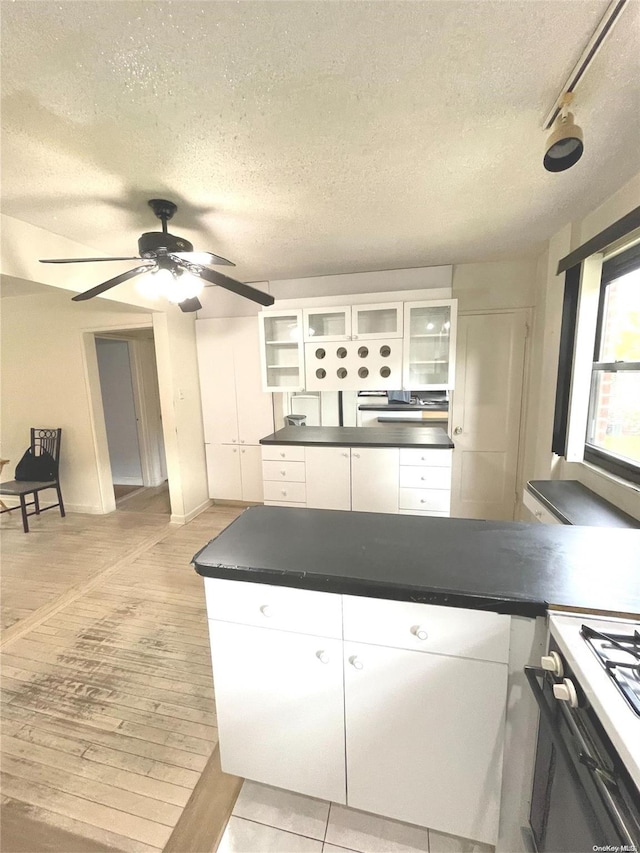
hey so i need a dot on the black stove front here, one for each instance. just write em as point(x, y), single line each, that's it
point(619, 654)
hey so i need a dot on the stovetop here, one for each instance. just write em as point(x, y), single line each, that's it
point(619, 654)
point(600, 668)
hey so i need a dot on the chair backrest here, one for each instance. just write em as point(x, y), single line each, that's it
point(46, 439)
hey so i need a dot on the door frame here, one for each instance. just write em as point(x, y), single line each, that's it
point(96, 408)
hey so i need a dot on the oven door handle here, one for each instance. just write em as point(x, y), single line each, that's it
point(533, 673)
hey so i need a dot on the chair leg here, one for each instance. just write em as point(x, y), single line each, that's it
point(36, 503)
point(62, 512)
point(23, 510)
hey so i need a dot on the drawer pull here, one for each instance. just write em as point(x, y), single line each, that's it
point(284, 492)
point(266, 610)
point(283, 473)
point(423, 500)
point(283, 455)
point(346, 455)
point(419, 632)
point(423, 478)
point(322, 656)
point(357, 455)
point(355, 663)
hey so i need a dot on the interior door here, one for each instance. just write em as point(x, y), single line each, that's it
point(486, 414)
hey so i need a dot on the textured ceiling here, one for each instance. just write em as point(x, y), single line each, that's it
point(302, 138)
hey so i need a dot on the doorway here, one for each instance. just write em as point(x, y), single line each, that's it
point(131, 403)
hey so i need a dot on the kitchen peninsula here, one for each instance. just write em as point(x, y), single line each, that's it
point(395, 468)
point(377, 660)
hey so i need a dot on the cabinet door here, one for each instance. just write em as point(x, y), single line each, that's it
point(383, 320)
point(215, 340)
point(438, 762)
point(223, 472)
point(281, 350)
point(280, 708)
point(374, 479)
point(327, 324)
point(254, 406)
point(328, 474)
point(251, 474)
point(429, 344)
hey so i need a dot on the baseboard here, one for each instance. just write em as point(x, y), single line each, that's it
point(128, 481)
point(185, 519)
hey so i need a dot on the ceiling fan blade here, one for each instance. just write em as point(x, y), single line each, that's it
point(236, 287)
point(85, 260)
point(107, 285)
point(191, 304)
point(203, 258)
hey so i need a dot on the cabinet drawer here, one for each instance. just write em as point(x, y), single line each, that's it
point(431, 500)
point(301, 610)
point(539, 510)
point(423, 477)
point(415, 456)
point(285, 472)
point(288, 452)
point(426, 627)
point(294, 492)
point(285, 503)
point(432, 514)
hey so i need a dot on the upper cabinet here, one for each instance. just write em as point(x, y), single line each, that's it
point(281, 350)
point(379, 346)
point(429, 344)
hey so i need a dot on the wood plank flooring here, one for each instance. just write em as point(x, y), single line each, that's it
point(107, 713)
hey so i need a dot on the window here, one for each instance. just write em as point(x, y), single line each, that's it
point(613, 426)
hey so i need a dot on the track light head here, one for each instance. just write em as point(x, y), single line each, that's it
point(565, 145)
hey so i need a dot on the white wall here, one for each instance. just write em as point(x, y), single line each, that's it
point(540, 463)
point(179, 384)
point(119, 407)
point(44, 384)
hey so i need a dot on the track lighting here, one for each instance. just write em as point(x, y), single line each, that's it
point(565, 146)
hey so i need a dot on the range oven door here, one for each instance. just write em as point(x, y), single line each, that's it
point(575, 808)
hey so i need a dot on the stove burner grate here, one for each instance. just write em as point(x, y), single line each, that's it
point(619, 654)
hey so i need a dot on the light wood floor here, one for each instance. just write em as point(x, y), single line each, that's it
point(108, 715)
point(153, 499)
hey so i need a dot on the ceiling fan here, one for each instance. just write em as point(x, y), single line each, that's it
point(172, 260)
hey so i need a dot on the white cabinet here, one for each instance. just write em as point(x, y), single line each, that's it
point(284, 475)
point(281, 350)
point(328, 477)
point(326, 324)
point(374, 479)
point(280, 708)
point(337, 366)
point(236, 412)
point(438, 726)
point(538, 509)
point(382, 320)
point(425, 482)
point(429, 344)
point(234, 473)
point(405, 717)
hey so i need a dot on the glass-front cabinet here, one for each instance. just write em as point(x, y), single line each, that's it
point(429, 344)
point(376, 321)
point(282, 352)
point(327, 324)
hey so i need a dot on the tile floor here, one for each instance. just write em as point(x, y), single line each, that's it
point(270, 820)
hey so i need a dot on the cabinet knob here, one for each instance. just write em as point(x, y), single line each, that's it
point(233, 440)
point(266, 610)
point(538, 513)
point(423, 500)
point(242, 451)
point(423, 478)
point(419, 632)
point(322, 656)
point(346, 455)
point(235, 449)
point(357, 455)
point(284, 492)
point(283, 455)
point(242, 441)
point(354, 338)
point(355, 663)
point(457, 431)
point(566, 692)
point(553, 663)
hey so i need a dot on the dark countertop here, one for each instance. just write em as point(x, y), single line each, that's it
point(404, 407)
point(503, 566)
point(415, 421)
point(387, 436)
point(573, 503)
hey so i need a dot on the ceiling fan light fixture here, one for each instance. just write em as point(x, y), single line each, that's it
point(565, 146)
point(183, 285)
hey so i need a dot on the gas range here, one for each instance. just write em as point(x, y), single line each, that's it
point(603, 656)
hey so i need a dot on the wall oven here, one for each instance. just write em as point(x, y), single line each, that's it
point(586, 787)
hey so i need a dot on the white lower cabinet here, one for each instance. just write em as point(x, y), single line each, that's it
point(424, 735)
point(280, 708)
point(328, 477)
point(234, 473)
point(387, 726)
point(374, 479)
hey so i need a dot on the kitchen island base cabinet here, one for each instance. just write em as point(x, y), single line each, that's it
point(328, 477)
point(438, 759)
point(280, 708)
point(374, 479)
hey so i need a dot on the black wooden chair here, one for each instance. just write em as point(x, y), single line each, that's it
point(41, 439)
